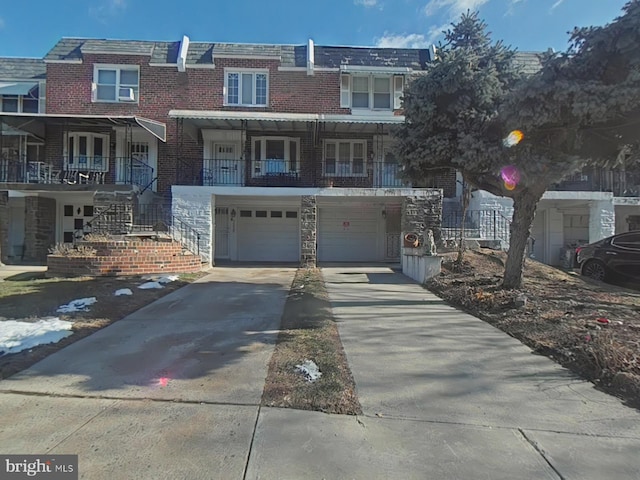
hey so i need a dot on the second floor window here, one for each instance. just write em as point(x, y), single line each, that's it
point(27, 103)
point(371, 92)
point(116, 83)
point(246, 88)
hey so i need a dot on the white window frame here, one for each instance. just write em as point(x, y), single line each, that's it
point(20, 99)
point(337, 172)
point(396, 88)
point(240, 71)
point(90, 164)
point(118, 85)
point(256, 164)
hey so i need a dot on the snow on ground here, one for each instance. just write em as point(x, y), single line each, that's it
point(310, 370)
point(123, 291)
point(16, 336)
point(79, 305)
point(149, 285)
point(168, 279)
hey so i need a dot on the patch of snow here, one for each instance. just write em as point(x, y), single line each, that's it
point(168, 279)
point(79, 305)
point(123, 291)
point(149, 285)
point(310, 370)
point(16, 336)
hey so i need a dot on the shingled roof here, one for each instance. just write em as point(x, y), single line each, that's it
point(529, 62)
point(13, 68)
point(334, 57)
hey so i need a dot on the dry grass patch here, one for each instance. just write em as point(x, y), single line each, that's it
point(559, 319)
point(30, 297)
point(309, 332)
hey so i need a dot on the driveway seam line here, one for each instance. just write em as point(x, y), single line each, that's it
point(253, 437)
point(502, 427)
point(542, 453)
point(135, 399)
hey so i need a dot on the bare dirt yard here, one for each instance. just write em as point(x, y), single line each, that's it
point(589, 327)
point(31, 297)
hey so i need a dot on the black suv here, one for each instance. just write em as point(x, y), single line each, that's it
point(618, 255)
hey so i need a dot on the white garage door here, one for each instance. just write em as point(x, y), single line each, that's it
point(349, 234)
point(268, 235)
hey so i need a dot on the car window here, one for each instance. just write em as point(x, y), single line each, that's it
point(631, 240)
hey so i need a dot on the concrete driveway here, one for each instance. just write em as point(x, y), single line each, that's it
point(171, 391)
point(445, 396)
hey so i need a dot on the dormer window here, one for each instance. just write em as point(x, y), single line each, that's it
point(116, 83)
point(371, 92)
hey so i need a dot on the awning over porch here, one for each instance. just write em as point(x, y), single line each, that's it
point(17, 88)
point(35, 123)
point(289, 122)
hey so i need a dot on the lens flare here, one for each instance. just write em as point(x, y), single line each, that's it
point(163, 381)
point(513, 139)
point(509, 186)
point(510, 174)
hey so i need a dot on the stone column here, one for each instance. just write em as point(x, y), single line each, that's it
point(308, 231)
point(194, 207)
point(39, 228)
point(602, 219)
point(421, 213)
point(4, 226)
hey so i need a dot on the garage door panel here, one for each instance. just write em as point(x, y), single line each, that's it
point(348, 235)
point(268, 239)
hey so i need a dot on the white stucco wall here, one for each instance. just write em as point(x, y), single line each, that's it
point(623, 212)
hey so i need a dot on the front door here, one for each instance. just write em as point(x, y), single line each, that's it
point(225, 166)
point(392, 230)
point(222, 233)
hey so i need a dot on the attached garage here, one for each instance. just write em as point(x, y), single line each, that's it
point(350, 234)
point(268, 234)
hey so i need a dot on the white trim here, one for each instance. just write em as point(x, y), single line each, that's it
point(118, 69)
point(63, 61)
point(240, 72)
point(204, 65)
point(256, 164)
point(292, 69)
point(374, 70)
point(311, 57)
point(182, 54)
point(172, 65)
point(337, 142)
point(376, 117)
point(90, 166)
point(249, 57)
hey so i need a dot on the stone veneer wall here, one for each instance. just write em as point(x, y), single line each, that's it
point(602, 219)
point(111, 222)
point(308, 231)
point(421, 213)
point(196, 210)
point(4, 226)
point(39, 228)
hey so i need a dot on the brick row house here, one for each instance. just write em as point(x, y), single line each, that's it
point(269, 152)
point(274, 153)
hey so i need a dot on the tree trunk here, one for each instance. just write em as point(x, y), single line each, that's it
point(466, 200)
point(524, 209)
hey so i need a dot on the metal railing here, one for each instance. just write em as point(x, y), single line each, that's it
point(275, 172)
point(130, 171)
point(622, 183)
point(122, 219)
point(479, 224)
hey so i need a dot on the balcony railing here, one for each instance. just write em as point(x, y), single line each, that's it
point(622, 183)
point(77, 170)
point(281, 173)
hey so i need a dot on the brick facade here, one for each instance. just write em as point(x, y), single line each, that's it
point(125, 258)
point(40, 227)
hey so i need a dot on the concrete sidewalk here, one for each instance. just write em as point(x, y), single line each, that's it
point(170, 392)
point(445, 396)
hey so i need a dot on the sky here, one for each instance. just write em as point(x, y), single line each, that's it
point(31, 28)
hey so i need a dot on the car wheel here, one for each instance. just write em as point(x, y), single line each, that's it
point(594, 270)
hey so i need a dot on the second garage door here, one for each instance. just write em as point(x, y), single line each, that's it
point(349, 235)
point(268, 235)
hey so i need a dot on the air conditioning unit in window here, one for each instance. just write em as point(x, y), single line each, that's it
point(126, 95)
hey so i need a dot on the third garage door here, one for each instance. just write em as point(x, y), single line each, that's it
point(349, 234)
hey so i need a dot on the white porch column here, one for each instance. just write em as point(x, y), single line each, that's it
point(602, 219)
